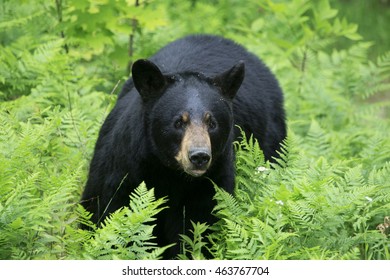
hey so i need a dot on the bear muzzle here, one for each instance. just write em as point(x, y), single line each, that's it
point(200, 159)
point(194, 156)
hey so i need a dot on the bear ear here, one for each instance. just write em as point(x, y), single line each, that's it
point(231, 80)
point(148, 79)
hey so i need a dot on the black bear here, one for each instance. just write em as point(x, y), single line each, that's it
point(173, 127)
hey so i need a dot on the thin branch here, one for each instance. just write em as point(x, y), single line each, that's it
point(59, 15)
point(134, 24)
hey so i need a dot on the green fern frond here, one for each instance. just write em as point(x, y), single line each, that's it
point(227, 205)
point(192, 248)
point(375, 76)
point(289, 153)
point(127, 234)
point(316, 141)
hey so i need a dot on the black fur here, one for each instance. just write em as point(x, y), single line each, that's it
point(138, 141)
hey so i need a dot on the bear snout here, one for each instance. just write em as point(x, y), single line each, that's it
point(199, 157)
point(194, 156)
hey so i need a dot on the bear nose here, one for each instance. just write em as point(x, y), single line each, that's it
point(199, 157)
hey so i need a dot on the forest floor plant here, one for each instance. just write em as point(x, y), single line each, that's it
point(327, 197)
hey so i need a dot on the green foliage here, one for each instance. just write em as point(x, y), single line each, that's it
point(38, 186)
point(368, 14)
point(62, 65)
point(194, 246)
point(126, 234)
point(303, 208)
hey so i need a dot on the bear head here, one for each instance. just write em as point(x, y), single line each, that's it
point(188, 116)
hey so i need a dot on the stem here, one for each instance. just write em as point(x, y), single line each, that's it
point(134, 24)
point(303, 69)
point(59, 15)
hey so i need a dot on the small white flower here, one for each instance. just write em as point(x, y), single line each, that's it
point(368, 198)
point(279, 202)
point(261, 169)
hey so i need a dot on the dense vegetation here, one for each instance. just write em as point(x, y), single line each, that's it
point(63, 62)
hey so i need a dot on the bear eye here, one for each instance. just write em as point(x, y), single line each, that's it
point(179, 123)
point(210, 121)
point(182, 121)
point(211, 124)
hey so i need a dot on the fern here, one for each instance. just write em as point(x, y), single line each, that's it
point(295, 215)
point(126, 234)
point(326, 197)
point(192, 248)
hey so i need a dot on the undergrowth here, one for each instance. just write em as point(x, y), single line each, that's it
point(327, 197)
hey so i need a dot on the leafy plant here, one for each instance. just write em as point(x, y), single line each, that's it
point(126, 234)
point(62, 65)
point(302, 209)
